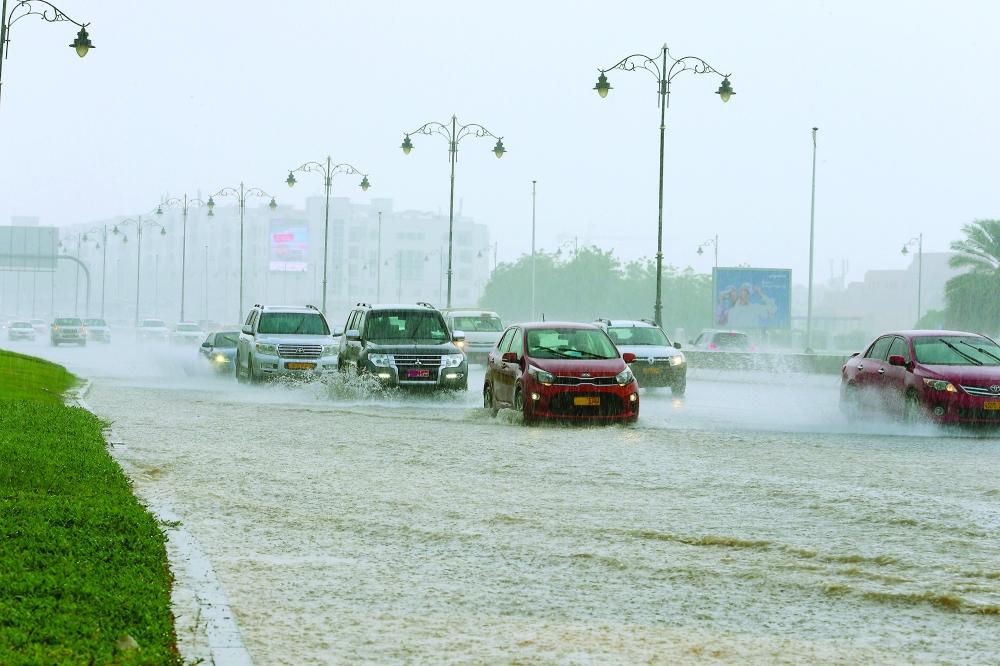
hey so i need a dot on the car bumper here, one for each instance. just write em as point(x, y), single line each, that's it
point(63, 337)
point(659, 375)
point(99, 336)
point(962, 409)
point(20, 336)
point(266, 366)
point(455, 379)
point(614, 403)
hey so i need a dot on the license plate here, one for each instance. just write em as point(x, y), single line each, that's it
point(653, 371)
point(418, 374)
point(300, 366)
point(587, 401)
point(991, 406)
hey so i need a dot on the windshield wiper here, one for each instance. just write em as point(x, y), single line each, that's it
point(554, 351)
point(981, 350)
point(590, 354)
point(960, 352)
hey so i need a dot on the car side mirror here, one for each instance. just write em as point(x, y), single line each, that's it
point(206, 345)
point(338, 331)
point(677, 345)
point(458, 336)
point(897, 360)
point(628, 357)
point(247, 330)
point(353, 335)
point(509, 357)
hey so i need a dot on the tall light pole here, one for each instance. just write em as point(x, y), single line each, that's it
point(49, 13)
point(328, 171)
point(183, 203)
point(658, 67)
point(241, 193)
point(139, 225)
point(454, 133)
point(713, 243)
point(533, 191)
point(812, 230)
point(917, 240)
point(378, 259)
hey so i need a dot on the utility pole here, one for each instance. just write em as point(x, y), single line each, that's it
point(533, 192)
point(812, 230)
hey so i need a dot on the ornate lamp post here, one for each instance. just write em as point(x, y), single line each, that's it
point(328, 171)
point(713, 243)
point(183, 203)
point(241, 193)
point(139, 225)
point(48, 12)
point(917, 240)
point(454, 133)
point(664, 67)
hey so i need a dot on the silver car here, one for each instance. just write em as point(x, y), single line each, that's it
point(658, 362)
point(20, 330)
point(97, 330)
point(68, 329)
point(281, 341)
point(482, 329)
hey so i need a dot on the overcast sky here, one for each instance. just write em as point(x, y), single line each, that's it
point(184, 95)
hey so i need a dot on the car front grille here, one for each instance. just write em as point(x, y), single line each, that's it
point(611, 405)
point(979, 414)
point(578, 381)
point(980, 391)
point(417, 360)
point(300, 351)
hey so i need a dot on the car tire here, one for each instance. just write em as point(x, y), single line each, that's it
point(521, 406)
point(239, 375)
point(252, 377)
point(912, 409)
point(488, 401)
point(850, 402)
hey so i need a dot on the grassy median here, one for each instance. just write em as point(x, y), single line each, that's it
point(82, 564)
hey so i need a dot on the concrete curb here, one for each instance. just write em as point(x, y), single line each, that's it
point(207, 631)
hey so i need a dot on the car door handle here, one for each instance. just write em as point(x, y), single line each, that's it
point(881, 371)
point(861, 367)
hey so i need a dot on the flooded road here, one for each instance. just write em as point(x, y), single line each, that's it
point(747, 522)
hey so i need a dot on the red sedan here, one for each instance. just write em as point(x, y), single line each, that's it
point(947, 376)
point(561, 371)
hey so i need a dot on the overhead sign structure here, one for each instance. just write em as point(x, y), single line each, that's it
point(289, 246)
point(28, 248)
point(752, 298)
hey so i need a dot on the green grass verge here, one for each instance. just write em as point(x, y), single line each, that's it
point(81, 561)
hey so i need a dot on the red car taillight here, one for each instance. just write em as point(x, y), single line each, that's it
point(712, 345)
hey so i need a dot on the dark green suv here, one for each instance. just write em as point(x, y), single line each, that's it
point(404, 345)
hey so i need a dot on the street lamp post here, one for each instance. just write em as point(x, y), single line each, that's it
point(658, 66)
point(49, 13)
point(183, 203)
point(328, 171)
point(917, 240)
point(454, 133)
point(714, 244)
point(378, 260)
point(241, 193)
point(533, 249)
point(812, 227)
point(139, 225)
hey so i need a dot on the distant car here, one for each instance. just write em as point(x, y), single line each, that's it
point(151, 330)
point(563, 371)
point(658, 362)
point(97, 330)
point(712, 339)
point(219, 350)
point(40, 325)
point(20, 330)
point(68, 329)
point(945, 376)
point(187, 333)
point(482, 329)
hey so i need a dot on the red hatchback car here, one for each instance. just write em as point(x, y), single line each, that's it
point(563, 371)
point(948, 376)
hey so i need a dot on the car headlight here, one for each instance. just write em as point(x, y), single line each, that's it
point(541, 376)
point(329, 350)
point(677, 360)
point(381, 360)
point(264, 348)
point(625, 376)
point(219, 358)
point(940, 385)
point(452, 360)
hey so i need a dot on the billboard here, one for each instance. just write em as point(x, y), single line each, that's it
point(289, 246)
point(752, 298)
point(29, 248)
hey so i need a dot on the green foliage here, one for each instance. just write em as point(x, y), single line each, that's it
point(593, 283)
point(26, 377)
point(971, 297)
point(932, 319)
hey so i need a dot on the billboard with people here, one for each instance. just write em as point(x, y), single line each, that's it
point(752, 298)
point(289, 249)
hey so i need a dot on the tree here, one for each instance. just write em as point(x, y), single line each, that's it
point(972, 297)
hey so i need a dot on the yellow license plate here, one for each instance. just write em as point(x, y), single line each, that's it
point(653, 371)
point(991, 406)
point(587, 401)
point(300, 366)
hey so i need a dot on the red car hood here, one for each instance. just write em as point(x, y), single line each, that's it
point(575, 367)
point(965, 374)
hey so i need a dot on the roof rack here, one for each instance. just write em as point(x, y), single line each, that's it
point(258, 305)
point(362, 304)
point(312, 307)
point(603, 321)
point(649, 321)
point(426, 305)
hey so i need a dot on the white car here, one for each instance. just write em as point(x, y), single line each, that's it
point(712, 339)
point(97, 330)
point(187, 333)
point(482, 329)
point(20, 330)
point(151, 329)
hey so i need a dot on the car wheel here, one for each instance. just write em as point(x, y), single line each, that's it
point(239, 374)
point(488, 401)
point(912, 410)
point(850, 401)
point(520, 406)
point(679, 389)
point(252, 376)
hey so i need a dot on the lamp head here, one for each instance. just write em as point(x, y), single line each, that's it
point(114, 230)
point(159, 210)
point(498, 149)
point(407, 145)
point(82, 43)
point(602, 87)
point(725, 90)
point(291, 179)
point(700, 251)
point(904, 251)
point(273, 204)
point(365, 184)
point(210, 213)
point(210, 204)
point(163, 231)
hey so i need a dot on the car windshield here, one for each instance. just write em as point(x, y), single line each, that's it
point(729, 340)
point(574, 343)
point(68, 321)
point(20, 324)
point(152, 323)
point(638, 335)
point(956, 350)
point(94, 322)
point(188, 328)
point(292, 323)
point(227, 339)
point(402, 325)
point(485, 323)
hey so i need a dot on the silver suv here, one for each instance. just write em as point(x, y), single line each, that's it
point(281, 341)
point(658, 362)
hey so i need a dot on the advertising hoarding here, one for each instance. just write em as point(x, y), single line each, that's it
point(752, 298)
point(289, 246)
point(28, 248)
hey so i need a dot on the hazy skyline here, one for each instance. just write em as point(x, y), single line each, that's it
point(188, 97)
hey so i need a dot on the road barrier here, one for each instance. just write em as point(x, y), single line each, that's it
point(824, 364)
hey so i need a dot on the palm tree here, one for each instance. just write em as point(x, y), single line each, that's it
point(973, 298)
